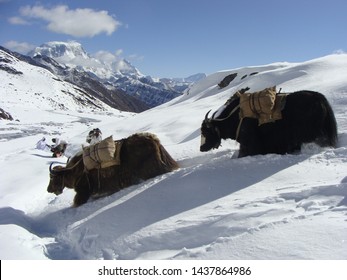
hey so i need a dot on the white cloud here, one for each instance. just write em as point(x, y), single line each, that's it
point(77, 23)
point(114, 60)
point(136, 57)
point(340, 51)
point(18, 21)
point(119, 52)
point(22, 47)
point(108, 57)
point(105, 57)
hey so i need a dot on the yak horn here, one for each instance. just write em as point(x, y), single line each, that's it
point(206, 116)
point(228, 116)
point(51, 170)
point(56, 172)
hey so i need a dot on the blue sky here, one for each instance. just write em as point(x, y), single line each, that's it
point(177, 38)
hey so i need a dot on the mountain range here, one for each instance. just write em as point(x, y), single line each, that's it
point(71, 62)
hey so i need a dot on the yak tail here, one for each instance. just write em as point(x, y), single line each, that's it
point(329, 126)
point(169, 163)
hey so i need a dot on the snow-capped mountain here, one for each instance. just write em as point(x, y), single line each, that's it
point(64, 51)
point(73, 55)
point(113, 72)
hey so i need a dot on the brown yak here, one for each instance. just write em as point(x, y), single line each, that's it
point(142, 157)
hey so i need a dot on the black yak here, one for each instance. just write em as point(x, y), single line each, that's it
point(306, 117)
point(142, 157)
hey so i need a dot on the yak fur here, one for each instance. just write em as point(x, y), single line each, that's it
point(142, 157)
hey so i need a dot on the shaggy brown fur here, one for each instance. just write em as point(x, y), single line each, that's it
point(142, 157)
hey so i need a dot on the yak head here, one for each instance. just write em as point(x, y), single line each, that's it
point(61, 177)
point(223, 126)
point(210, 135)
point(56, 179)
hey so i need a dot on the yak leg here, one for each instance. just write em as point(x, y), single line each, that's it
point(82, 192)
point(248, 150)
point(250, 142)
point(80, 198)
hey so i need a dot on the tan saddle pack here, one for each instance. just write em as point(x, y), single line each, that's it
point(265, 105)
point(104, 154)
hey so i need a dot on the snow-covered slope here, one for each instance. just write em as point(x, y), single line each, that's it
point(34, 87)
point(47, 74)
point(215, 206)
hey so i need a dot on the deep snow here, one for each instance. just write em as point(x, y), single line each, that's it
point(215, 206)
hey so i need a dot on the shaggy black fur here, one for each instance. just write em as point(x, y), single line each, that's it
point(306, 117)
